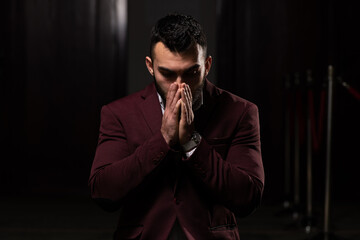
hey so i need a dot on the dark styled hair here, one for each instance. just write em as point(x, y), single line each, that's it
point(178, 33)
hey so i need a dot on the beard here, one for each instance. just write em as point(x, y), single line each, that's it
point(197, 100)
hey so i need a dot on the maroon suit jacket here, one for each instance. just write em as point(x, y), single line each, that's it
point(134, 170)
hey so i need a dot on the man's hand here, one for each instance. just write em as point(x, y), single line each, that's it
point(178, 119)
point(170, 120)
point(186, 124)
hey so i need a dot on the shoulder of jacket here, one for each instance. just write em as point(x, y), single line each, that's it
point(132, 99)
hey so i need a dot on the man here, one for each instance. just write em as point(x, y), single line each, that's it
point(181, 158)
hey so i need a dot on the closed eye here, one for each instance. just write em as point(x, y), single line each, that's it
point(167, 73)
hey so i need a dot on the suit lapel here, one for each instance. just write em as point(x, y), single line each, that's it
point(151, 109)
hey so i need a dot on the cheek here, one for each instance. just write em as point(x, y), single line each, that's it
point(162, 84)
point(198, 82)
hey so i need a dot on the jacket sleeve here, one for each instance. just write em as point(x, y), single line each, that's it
point(115, 170)
point(237, 180)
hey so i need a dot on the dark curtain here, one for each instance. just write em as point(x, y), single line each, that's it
point(60, 61)
point(261, 43)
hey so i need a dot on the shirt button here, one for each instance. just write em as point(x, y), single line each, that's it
point(176, 201)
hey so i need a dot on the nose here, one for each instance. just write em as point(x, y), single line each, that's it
point(180, 80)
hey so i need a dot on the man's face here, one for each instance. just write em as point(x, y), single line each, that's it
point(190, 67)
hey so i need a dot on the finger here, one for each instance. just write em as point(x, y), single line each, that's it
point(189, 95)
point(183, 95)
point(183, 115)
point(175, 100)
point(171, 94)
point(185, 110)
point(188, 89)
point(189, 104)
point(177, 108)
point(189, 113)
point(191, 116)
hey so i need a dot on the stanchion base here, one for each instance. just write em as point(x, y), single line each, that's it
point(287, 209)
point(295, 224)
point(309, 224)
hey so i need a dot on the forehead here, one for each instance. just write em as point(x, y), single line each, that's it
point(164, 57)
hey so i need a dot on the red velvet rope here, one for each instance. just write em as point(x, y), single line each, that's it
point(353, 92)
point(316, 131)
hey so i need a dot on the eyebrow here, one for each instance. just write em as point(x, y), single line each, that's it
point(164, 69)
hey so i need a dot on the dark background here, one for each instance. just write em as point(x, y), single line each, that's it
point(60, 61)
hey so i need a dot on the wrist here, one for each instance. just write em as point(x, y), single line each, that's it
point(193, 142)
point(167, 138)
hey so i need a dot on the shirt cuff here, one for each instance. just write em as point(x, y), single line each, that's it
point(190, 153)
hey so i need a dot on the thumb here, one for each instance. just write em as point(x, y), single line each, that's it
point(179, 108)
point(183, 112)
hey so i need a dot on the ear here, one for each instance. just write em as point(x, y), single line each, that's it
point(208, 62)
point(149, 65)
